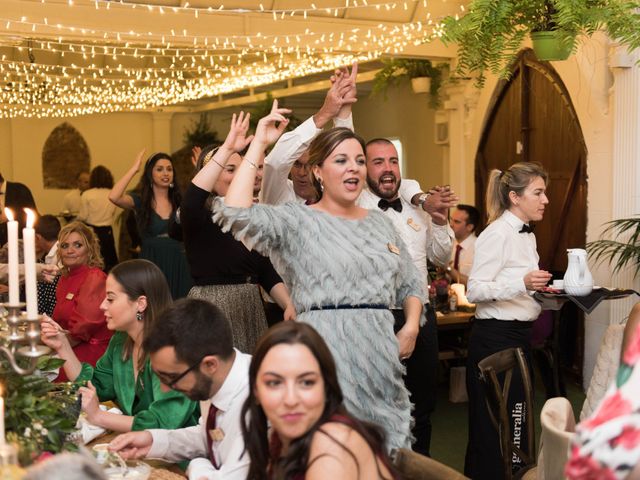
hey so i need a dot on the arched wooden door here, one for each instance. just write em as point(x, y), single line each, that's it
point(531, 118)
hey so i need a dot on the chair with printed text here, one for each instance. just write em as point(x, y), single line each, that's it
point(500, 364)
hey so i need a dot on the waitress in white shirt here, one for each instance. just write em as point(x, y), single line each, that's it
point(503, 278)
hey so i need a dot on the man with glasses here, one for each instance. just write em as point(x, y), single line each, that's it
point(191, 351)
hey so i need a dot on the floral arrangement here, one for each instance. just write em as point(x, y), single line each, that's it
point(39, 415)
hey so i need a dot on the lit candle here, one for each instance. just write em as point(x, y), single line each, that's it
point(30, 285)
point(14, 278)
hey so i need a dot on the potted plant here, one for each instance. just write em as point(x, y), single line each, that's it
point(619, 253)
point(424, 76)
point(492, 32)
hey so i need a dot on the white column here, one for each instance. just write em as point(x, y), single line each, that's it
point(459, 159)
point(626, 157)
point(162, 131)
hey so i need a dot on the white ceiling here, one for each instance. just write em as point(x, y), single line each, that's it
point(82, 56)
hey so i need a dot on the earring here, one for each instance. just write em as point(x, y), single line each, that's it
point(320, 182)
point(139, 316)
point(171, 185)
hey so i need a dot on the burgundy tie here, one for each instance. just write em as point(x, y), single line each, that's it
point(211, 426)
point(456, 259)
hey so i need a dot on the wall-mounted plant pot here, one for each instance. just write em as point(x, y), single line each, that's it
point(548, 46)
point(421, 84)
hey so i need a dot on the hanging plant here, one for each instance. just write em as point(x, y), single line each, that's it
point(398, 70)
point(492, 32)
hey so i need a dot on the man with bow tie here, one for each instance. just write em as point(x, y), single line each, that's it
point(424, 228)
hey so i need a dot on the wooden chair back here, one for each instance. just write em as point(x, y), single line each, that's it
point(413, 466)
point(497, 396)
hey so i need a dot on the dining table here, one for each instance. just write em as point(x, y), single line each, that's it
point(160, 470)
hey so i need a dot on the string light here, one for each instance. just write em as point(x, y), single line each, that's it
point(118, 70)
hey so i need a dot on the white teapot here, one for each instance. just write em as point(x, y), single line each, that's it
point(577, 279)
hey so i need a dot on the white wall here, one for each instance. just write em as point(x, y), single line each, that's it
point(588, 79)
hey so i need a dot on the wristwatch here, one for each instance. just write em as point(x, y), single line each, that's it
point(422, 198)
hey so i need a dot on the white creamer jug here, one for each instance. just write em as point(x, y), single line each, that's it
point(577, 279)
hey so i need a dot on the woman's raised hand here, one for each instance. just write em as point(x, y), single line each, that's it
point(137, 163)
point(237, 138)
point(52, 334)
point(267, 131)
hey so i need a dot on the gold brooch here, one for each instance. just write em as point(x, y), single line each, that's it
point(393, 249)
point(413, 224)
point(69, 296)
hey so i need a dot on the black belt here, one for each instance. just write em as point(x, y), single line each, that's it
point(357, 306)
point(226, 280)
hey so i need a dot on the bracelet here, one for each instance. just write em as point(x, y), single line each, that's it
point(253, 165)
point(217, 163)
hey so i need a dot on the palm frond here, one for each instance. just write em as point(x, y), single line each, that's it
point(622, 247)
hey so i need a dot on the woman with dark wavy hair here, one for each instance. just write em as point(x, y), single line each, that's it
point(294, 386)
point(155, 202)
point(344, 266)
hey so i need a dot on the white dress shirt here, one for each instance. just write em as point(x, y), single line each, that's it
point(95, 207)
point(465, 261)
point(423, 238)
point(502, 258)
point(277, 189)
point(191, 443)
point(71, 201)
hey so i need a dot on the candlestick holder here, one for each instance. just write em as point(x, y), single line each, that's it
point(20, 337)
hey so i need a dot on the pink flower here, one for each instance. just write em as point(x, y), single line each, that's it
point(632, 352)
point(629, 438)
point(614, 406)
point(586, 468)
point(43, 456)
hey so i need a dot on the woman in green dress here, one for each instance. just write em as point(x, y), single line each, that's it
point(136, 293)
point(155, 202)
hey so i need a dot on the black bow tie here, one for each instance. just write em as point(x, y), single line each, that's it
point(396, 204)
point(526, 229)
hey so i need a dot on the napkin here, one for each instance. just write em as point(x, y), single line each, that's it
point(90, 431)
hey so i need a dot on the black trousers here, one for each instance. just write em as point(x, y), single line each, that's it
point(107, 246)
point(422, 377)
point(483, 459)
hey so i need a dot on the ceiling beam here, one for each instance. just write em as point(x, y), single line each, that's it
point(321, 85)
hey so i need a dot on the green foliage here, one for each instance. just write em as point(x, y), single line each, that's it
point(201, 134)
point(490, 35)
point(39, 415)
point(624, 250)
point(398, 70)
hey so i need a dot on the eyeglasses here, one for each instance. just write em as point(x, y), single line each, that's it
point(182, 375)
point(75, 245)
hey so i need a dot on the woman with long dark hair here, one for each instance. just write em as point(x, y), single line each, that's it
point(294, 386)
point(136, 293)
point(155, 201)
point(504, 276)
point(230, 278)
point(344, 266)
point(98, 212)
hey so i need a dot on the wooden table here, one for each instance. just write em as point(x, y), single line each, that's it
point(159, 470)
point(451, 321)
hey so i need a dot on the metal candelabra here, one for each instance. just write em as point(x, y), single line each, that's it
point(20, 337)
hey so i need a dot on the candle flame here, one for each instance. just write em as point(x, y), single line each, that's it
point(9, 214)
point(31, 217)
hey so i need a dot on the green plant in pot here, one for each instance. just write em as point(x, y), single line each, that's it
point(492, 32)
point(417, 70)
point(624, 247)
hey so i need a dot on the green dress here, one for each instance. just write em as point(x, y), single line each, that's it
point(167, 253)
point(144, 400)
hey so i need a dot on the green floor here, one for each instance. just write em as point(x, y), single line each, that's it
point(449, 436)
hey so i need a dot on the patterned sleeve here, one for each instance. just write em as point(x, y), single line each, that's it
point(409, 282)
point(263, 228)
point(607, 445)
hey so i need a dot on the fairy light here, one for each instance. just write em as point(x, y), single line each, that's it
point(118, 70)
